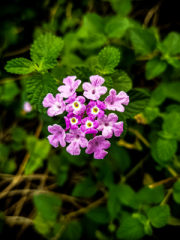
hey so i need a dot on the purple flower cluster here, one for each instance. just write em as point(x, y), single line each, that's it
point(85, 118)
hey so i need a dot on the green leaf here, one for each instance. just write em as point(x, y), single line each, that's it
point(171, 124)
point(95, 40)
point(166, 148)
point(116, 27)
point(155, 67)
point(99, 215)
point(157, 96)
point(108, 59)
point(147, 228)
point(151, 113)
point(18, 134)
point(176, 191)
point(20, 66)
point(4, 150)
point(159, 215)
point(45, 51)
point(150, 195)
point(126, 194)
point(138, 101)
point(105, 173)
point(171, 44)
point(8, 166)
point(9, 91)
point(41, 226)
point(93, 23)
point(131, 229)
point(155, 155)
point(122, 7)
point(72, 231)
point(172, 90)
point(48, 206)
point(143, 41)
point(173, 61)
point(113, 204)
point(121, 81)
point(33, 164)
point(85, 188)
point(38, 86)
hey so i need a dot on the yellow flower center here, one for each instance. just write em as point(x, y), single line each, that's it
point(76, 105)
point(89, 124)
point(95, 110)
point(73, 120)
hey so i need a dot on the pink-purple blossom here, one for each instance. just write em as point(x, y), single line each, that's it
point(89, 125)
point(97, 146)
point(95, 109)
point(55, 105)
point(94, 89)
point(114, 102)
point(58, 136)
point(108, 125)
point(76, 138)
point(27, 107)
point(72, 121)
point(76, 104)
point(70, 86)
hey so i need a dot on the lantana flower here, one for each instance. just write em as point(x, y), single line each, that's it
point(108, 125)
point(58, 136)
point(114, 102)
point(56, 105)
point(76, 138)
point(89, 125)
point(27, 107)
point(72, 121)
point(96, 109)
point(94, 89)
point(76, 104)
point(97, 146)
point(70, 86)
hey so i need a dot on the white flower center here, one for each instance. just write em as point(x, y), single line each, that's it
point(57, 104)
point(95, 110)
point(89, 124)
point(76, 105)
point(73, 120)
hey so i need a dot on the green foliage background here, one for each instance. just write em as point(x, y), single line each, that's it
point(135, 189)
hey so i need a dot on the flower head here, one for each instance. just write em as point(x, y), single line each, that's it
point(76, 104)
point(94, 90)
point(89, 125)
point(95, 109)
point(108, 125)
point(70, 86)
point(114, 102)
point(76, 138)
point(58, 136)
point(72, 121)
point(97, 146)
point(27, 107)
point(56, 105)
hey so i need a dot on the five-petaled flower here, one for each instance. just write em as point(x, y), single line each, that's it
point(108, 125)
point(114, 102)
point(58, 136)
point(70, 86)
point(72, 121)
point(56, 105)
point(95, 109)
point(97, 146)
point(94, 89)
point(76, 138)
point(89, 125)
point(76, 104)
point(90, 117)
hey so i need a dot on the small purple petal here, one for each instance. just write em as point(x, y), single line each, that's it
point(58, 136)
point(27, 107)
point(70, 86)
point(96, 80)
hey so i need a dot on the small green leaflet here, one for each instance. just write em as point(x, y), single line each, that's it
point(131, 229)
point(93, 23)
point(38, 86)
point(171, 44)
point(108, 59)
point(99, 215)
point(143, 41)
point(20, 66)
point(172, 90)
point(47, 205)
point(72, 231)
point(159, 215)
point(113, 203)
point(155, 67)
point(121, 81)
point(122, 7)
point(176, 191)
point(116, 27)
point(45, 51)
point(166, 148)
point(85, 188)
